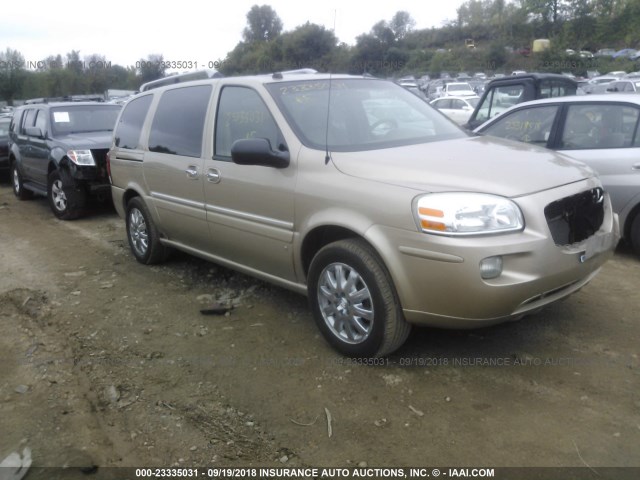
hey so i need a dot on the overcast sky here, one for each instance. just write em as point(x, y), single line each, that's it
point(126, 31)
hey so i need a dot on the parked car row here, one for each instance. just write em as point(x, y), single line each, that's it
point(597, 130)
point(351, 190)
point(600, 130)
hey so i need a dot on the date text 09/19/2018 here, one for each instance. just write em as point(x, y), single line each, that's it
point(329, 473)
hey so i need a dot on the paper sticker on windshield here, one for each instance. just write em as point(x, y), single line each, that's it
point(61, 117)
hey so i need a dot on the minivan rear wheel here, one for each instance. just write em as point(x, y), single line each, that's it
point(142, 233)
point(354, 302)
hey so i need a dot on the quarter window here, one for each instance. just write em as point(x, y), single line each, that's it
point(242, 114)
point(130, 125)
point(178, 124)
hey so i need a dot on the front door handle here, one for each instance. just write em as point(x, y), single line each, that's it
point(636, 167)
point(213, 175)
point(192, 171)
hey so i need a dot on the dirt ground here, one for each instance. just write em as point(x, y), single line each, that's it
point(105, 362)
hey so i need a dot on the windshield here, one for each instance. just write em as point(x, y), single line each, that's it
point(83, 118)
point(364, 114)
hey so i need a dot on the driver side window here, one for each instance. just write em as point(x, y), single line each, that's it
point(529, 125)
point(41, 121)
point(242, 115)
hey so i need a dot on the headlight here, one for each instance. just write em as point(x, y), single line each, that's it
point(467, 214)
point(81, 157)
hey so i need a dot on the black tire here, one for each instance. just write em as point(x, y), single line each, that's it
point(66, 199)
point(142, 234)
point(367, 323)
point(16, 181)
point(634, 234)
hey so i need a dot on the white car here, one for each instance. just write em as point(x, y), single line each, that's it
point(458, 109)
point(458, 89)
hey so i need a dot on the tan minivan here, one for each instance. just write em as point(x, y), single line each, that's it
point(360, 195)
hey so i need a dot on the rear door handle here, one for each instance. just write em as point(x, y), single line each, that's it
point(636, 167)
point(213, 175)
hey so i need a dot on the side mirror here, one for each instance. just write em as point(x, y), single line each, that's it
point(34, 132)
point(258, 151)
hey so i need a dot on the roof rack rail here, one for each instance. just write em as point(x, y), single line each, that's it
point(180, 78)
point(278, 75)
point(67, 98)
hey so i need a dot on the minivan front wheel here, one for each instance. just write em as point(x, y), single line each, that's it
point(142, 233)
point(354, 302)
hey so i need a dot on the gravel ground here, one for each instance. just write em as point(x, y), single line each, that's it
point(106, 363)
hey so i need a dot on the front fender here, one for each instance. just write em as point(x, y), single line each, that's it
point(14, 154)
point(59, 157)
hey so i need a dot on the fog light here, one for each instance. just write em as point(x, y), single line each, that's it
point(491, 267)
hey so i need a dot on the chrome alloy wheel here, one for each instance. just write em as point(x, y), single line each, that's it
point(138, 233)
point(58, 196)
point(16, 180)
point(346, 303)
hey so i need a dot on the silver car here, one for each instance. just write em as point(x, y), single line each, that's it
point(358, 194)
point(458, 109)
point(599, 130)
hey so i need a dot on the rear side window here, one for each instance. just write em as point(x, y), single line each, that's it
point(130, 124)
point(592, 126)
point(555, 88)
point(178, 124)
point(444, 103)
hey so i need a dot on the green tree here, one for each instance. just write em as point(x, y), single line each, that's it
point(548, 12)
point(401, 24)
point(263, 24)
point(12, 75)
point(152, 68)
point(74, 63)
point(308, 46)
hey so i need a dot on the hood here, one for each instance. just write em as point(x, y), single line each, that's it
point(86, 140)
point(471, 164)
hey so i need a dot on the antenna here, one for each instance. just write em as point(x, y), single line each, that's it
point(327, 156)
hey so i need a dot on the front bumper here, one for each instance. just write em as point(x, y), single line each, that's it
point(438, 278)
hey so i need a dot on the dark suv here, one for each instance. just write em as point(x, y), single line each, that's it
point(59, 150)
point(502, 93)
